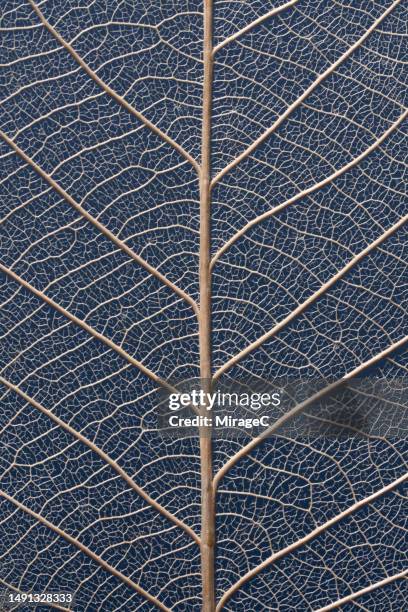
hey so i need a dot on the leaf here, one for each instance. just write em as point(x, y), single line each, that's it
point(209, 191)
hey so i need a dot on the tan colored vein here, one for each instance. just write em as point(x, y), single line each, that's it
point(208, 502)
point(245, 450)
point(104, 456)
point(111, 92)
point(311, 299)
point(83, 548)
point(361, 592)
point(310, 536)
point(309, 190)
point(304, 95)
point(120, 351)
point(99, 226)
point(253, 24)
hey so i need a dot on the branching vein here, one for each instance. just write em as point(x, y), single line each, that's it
point(367, 589)
point(309, 190)
point(106, 566)
point(253, 24)
point(311, 299)
point(79, 436)
point(99, 226)
point(304, 95)
point(305, 404)
point(310, 536)
point(88, 328)
point(111, 92)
